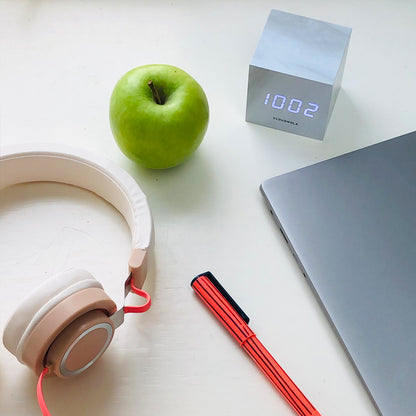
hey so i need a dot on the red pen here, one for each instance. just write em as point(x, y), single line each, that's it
point(222, 305)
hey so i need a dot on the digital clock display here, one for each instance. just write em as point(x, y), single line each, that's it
point(292, 105)
point(287, 103)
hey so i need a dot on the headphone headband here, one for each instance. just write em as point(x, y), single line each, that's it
point(46, 163)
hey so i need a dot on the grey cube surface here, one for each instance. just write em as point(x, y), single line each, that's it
point(295, 74)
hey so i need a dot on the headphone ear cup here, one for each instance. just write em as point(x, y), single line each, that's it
point(80, 344)
point(48, 310)
point(40, 301)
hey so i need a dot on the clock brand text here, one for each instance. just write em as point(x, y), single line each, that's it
point(286, 121)
point(294, 105)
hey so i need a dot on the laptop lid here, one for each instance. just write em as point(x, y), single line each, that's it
point(351, 223)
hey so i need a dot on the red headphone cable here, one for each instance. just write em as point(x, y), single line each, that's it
point(141, 293)
point(39, 393)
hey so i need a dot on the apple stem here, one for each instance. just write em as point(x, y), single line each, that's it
point(155, 92)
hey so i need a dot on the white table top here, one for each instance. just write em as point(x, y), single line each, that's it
point(59, 63)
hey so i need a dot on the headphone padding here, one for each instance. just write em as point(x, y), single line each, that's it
point(41, 301)
point(40, 339)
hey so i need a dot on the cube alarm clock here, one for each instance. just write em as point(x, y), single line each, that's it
point(295, 74)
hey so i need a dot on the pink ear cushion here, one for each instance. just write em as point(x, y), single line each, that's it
point(40, 302)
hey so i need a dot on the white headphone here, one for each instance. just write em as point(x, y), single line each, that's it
point(67, 323)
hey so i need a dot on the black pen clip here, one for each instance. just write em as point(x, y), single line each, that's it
point(224, 293)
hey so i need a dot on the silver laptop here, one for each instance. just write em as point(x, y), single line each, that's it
point(351, 224)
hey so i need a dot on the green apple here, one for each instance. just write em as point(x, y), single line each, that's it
point(158, 115)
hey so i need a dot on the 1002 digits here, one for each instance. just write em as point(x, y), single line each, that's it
point(295, 105)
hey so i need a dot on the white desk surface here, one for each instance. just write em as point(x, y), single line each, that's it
point(59, 63)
